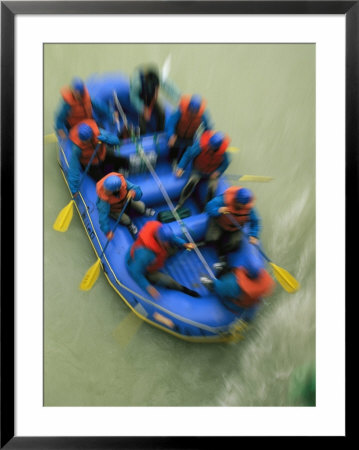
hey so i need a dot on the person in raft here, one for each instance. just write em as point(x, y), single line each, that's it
point(86, 138)
point(228, 213)
point(183, 124)
point(75, 106)
point(147, 256)
point(210, 160)
point(112, 191)
point(144, 88)
point(241, 288)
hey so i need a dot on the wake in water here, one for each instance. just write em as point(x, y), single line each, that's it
point(282, 339)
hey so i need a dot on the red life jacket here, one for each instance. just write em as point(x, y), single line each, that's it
point(115, 201)
point(208, 161)
point(239, 213)
point(88, 147)
point(146, 238)
point(188, 122)
point(80, 109)
point(252, 290)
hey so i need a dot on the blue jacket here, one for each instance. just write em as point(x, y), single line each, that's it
point(75, 167)
point(104, 207)
point(64, 109)
point(141, 259)
point(193, 151)
point(175, 117)
point(213, 206)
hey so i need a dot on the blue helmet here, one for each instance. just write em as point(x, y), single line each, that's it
point(216, 140)
point(85, 132)
point(244, 196)
point(195, 103)
point(112, 183)
point(165, 233)
point(78, 85)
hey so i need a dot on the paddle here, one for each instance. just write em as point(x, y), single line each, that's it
point(232, 149)
point(258, 178)
point(64, 217)
point(127, 328)
point(167, 216)
point(168, 87)
point(94, 271)
point(50, 138)
point(284, 278)
point(120, 110)
point(166, 68)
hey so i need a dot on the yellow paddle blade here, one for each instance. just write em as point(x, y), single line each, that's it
point(64, 218)
point(259, 178)
point(50, 138)
point(91, 276)
point(127, 329)
point(233, 149)
point(285, 279)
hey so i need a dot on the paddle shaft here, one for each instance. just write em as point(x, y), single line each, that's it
point(117, 222)
point(258, 178)
point(231, 218)
point(88, 166)
point(228, 175)
point(120, 110)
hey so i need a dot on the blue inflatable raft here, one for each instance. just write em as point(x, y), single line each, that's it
point(203, 319)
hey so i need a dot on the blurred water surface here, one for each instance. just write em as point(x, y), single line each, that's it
point(95, 353)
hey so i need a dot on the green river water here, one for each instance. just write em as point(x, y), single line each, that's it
point(97, 353)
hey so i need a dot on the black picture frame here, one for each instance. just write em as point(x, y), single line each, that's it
point(8, 12)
